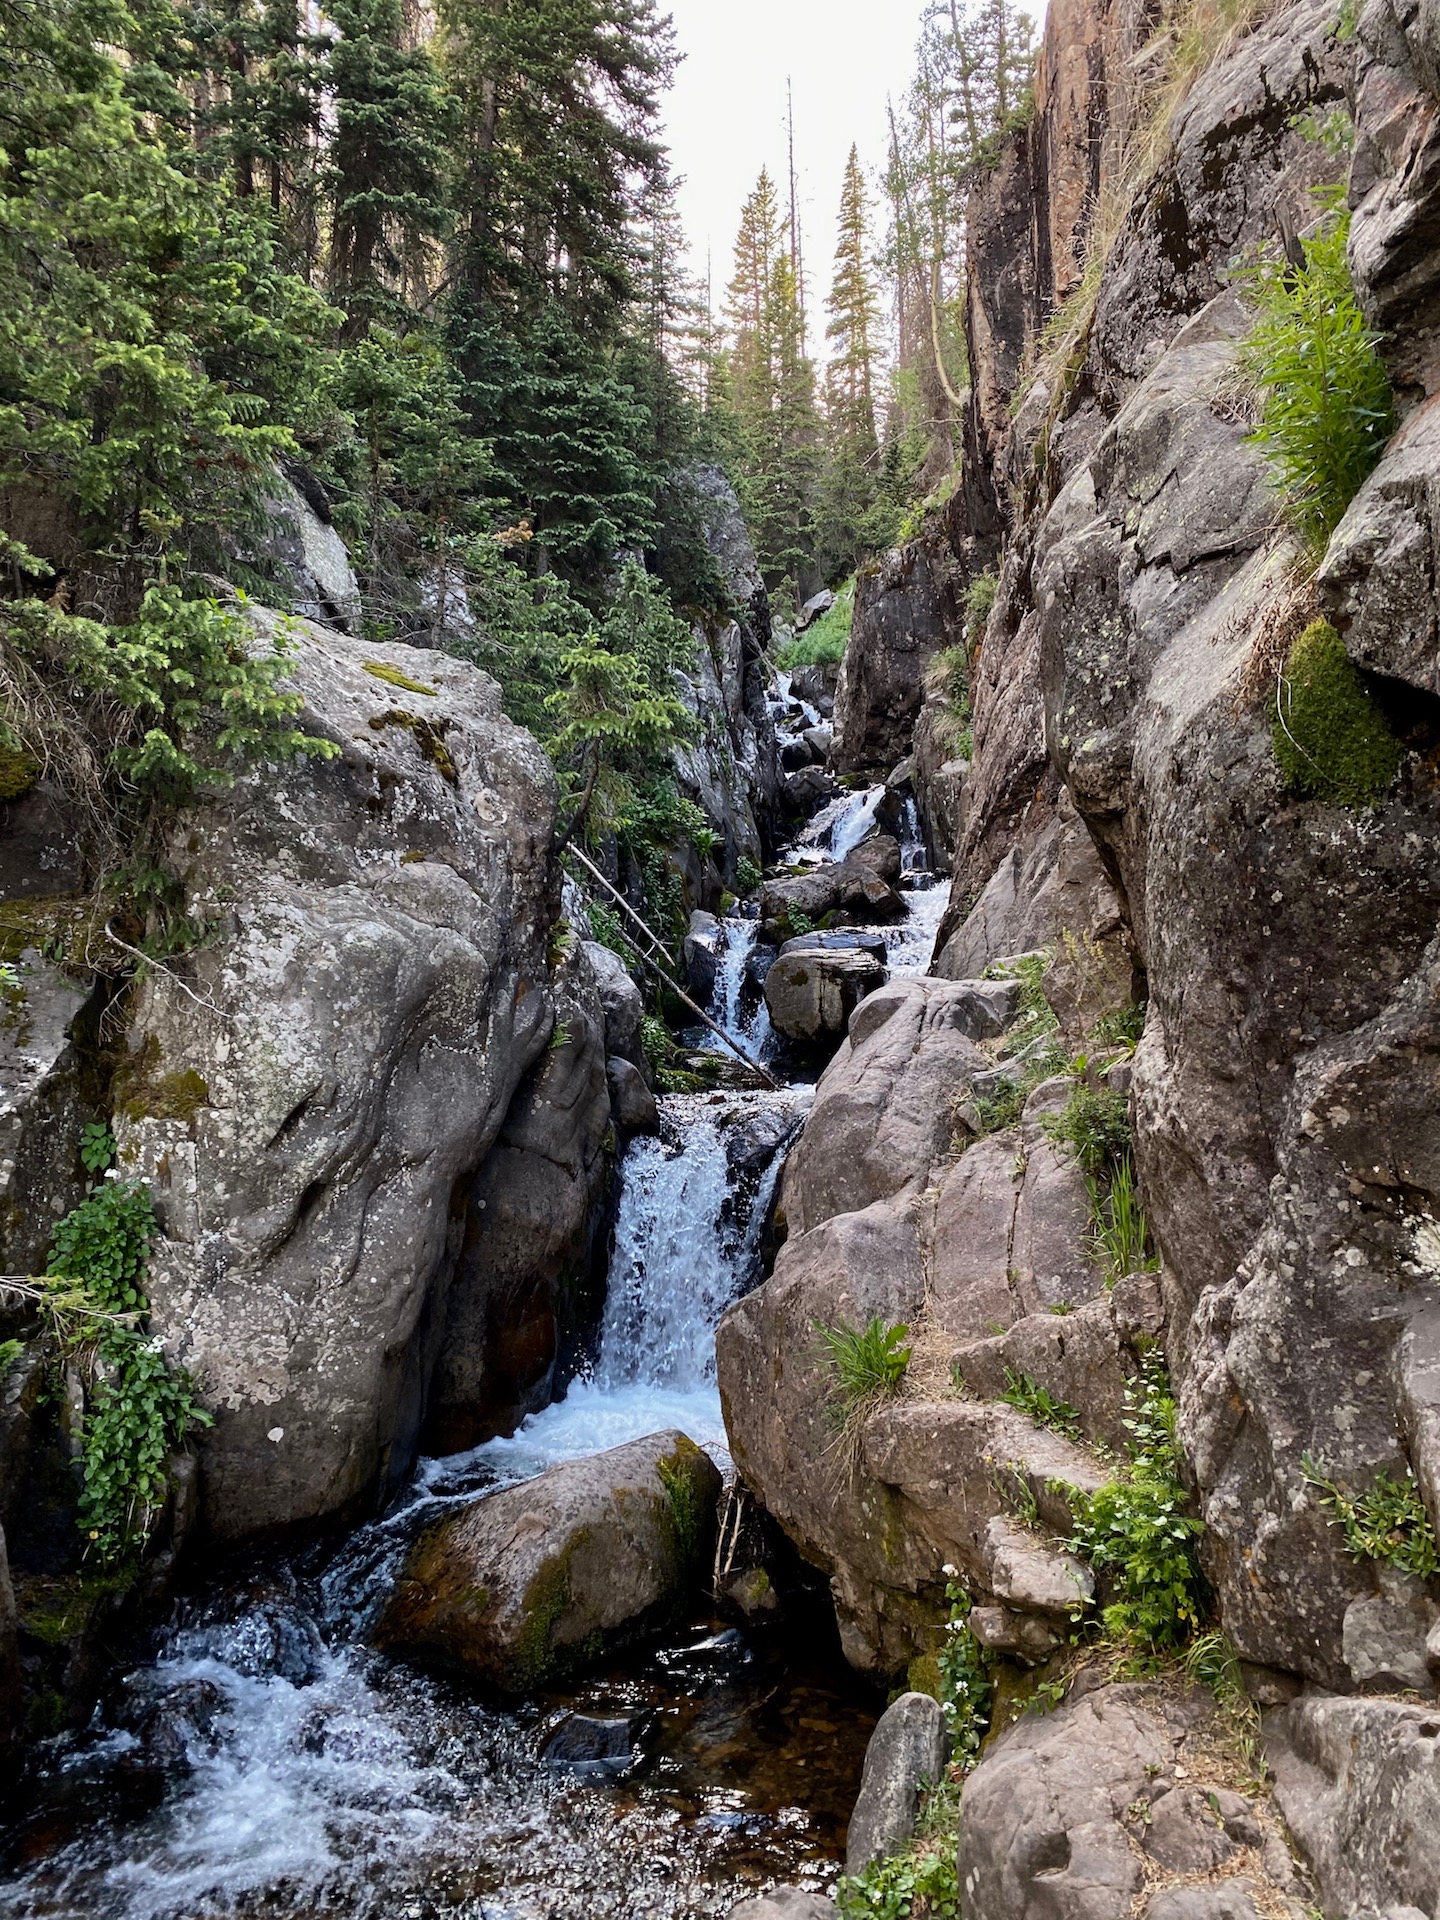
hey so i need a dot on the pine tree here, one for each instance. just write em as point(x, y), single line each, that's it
point(852, 454)
point(386, 180)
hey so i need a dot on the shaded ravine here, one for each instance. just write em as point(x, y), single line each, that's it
point(265, 1761)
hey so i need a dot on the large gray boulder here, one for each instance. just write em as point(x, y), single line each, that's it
point(812, 993)
point(311, 1087)
point(621, 1001)
point(531, 1217)
point(1115, 1805)
point(907, 1753)
point(526, 1585)
point(1358, 1782)
point(305, 550)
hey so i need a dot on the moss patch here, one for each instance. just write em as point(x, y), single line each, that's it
point(687, 1507)
point(429, 737)
point(58, 1610)
point(141, 1092)
point(382, 670)
point(546, 1598)
point(1331, 739)
point(18, 772)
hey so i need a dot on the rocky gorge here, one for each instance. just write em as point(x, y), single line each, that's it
point(1073, 1050)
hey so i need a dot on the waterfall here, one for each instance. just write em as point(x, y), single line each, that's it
point(679, 1260)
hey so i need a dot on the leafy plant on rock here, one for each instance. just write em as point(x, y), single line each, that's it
point(1139, 1529)
point(138, 1407)
point(1023, 1391)
point(1388, 1522)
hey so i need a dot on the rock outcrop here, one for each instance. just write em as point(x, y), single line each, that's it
point(811, 992)
point(523, 1586)
point(907, 605)
point(313, 1091)
point(906, 1755)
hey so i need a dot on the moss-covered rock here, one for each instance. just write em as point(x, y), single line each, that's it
point(524, 1586)
point(1331, 739)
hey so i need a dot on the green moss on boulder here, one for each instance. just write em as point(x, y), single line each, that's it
point(1332, 741)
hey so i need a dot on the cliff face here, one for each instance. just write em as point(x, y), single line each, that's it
point(1124, 805)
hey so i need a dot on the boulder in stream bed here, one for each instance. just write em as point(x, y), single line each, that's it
point(522, 1586)
point(811, 992)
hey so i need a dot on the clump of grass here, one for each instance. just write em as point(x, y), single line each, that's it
point(1026, 1393)
point(1035, 1017)
point(1326, 406)
point(1331, 739)
point(1388, 1522)
point(1121, 1233)
point(1120, 1027)
point(866, 1365)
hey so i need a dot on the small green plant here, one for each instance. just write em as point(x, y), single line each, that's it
point(1138, 1527)
point(560, 1038)
point(965, 1689)
point(1388, 1522)
point(10, 1352)
point(1034, 1017)
point(606, 927)
point(1095, 1126)
point(1326, 405)
point(1026, 1393)
point(1334, 131)
point(918, 1884)
point(1120, 1027)
point(138, 1407)
point(748, 877)
point(867, 1365)
point(1331, 739)
point(97, 1146)
point(1120, 1231)
point(979, 599)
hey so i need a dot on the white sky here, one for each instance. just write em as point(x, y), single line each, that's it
point(725, 118)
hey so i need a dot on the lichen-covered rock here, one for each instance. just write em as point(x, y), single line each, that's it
point(1358, 1782)
point(906, 1753)
point(303, 547)
point(310, 1087)
point(526, 1585)
point(531, 1218)
point(1116, 1804)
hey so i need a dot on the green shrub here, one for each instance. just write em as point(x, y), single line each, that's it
point(138, 1407)
point(1331, 739)
point(916, 1883)
point(1326, 406)
point(966, 1693)
point(1095, 1126)
point(1034, 1017)
point(10, 1352)
point(1121, 1026)
point(1138, 1529)
point(1026, 1393)
point(866, 1364)
point(1388, 1522)
point(748, 877)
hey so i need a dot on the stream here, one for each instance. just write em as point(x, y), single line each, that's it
point(262, 1760)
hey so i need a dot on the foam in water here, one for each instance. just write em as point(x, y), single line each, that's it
point(855, 820)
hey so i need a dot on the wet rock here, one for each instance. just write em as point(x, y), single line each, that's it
point(11, 1699)
point(522, 1586)
point(847, 887)
point(784, 1903)
point(632, 1104)
point(621, 1001)
point(1358, 1782)
point(752, 1593)
point(818, 739)
point(532, 1215)
point(175, 1726)
point(700, 954)
point(808, 789)
point(593, 1749)
point(812, 993)
point(907, 1752)
point(840, 940)
point(880, 852)
point(1059, 1815)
